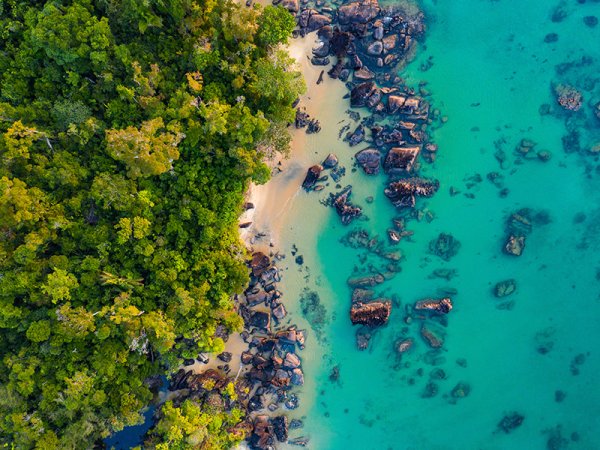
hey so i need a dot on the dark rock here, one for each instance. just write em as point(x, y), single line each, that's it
point(312, 176)
point(292, 402)
point(401, 159)
point(515, 245)
point(357, 136)
point(246, 357)
point(403, 193)
point(559, 396)
point(291, 361)
point(262, 437)
point(280, 428)
point(330, 162)
point(334, 376)
point(550, 38)
point(344, 208)
point(225, 356)
point(505, 288)
point(189, 362)
point(445, 246)
point(431, 390)
point(255, 403)
point(361, 93)
point(373, 314)
point(340, 43)
point(316, 21)
point(260, 319)
point(395, 102)
point(324, 61)
point(260, 262)
point(510, 422)
point(443, 305)
point(321, 50)
point(369, 159)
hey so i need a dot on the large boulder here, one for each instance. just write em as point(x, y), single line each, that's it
point(358, 12)
point(395, 102)
point(260, 262)
point(373, 314)
point(514, 245)
point(369, 159)
point(401, 159)
point(317, 21)
point(280, 428)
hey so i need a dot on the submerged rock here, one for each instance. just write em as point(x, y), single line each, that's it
point(445, 246)
point(373, 314)
point(505, 288)
point(431, 336)
point(403, 345)
point(510, 421)
point(443, 305)
point(568, 97)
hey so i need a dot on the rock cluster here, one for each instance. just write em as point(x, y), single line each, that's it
point(403, 193)
point(568, 97)
point(270, 367)
point(374, 313)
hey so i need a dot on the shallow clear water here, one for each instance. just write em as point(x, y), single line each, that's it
point(491, 54)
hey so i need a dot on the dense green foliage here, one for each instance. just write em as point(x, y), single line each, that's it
point(129, 131)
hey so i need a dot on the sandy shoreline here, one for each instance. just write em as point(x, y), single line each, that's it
point(273, 200)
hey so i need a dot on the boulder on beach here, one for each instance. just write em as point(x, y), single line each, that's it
point(373, 314)
point(330, 162)
point(369, 159)
point(312, 176)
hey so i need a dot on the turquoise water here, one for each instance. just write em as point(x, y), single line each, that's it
point(491, 54)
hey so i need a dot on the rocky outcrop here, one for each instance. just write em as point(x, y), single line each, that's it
point(401, 159)
point(369, 159)
point(373, 314)
point(346, 210)
point(358, 12)
point(403, 193)
point(443, 305)
point(434, 339)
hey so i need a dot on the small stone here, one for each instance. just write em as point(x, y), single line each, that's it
point(461, 390)
point(590, 21)
point(559, 396)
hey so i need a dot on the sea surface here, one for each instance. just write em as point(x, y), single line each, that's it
point(489, 71)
